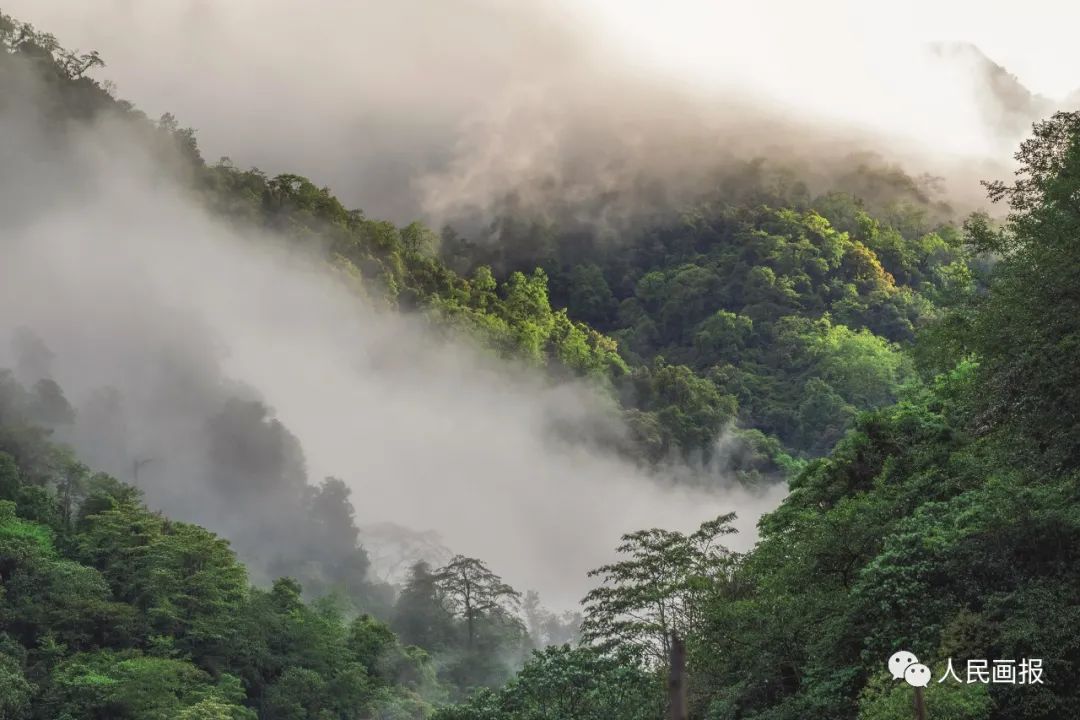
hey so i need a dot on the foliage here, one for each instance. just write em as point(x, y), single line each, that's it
point(487, 607)
point(735, 292)
point(561, 682)
point(712, 290)
point(887, 699)
point(935, 511)
point(110, 610)
point(658, 591)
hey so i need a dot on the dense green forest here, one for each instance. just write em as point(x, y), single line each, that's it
point(758, 308)
point(914, 382)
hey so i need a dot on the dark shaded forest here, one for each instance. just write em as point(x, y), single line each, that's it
point(910, 374)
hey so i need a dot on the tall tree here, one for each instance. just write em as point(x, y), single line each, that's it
point(472, 592)
point(657, 591)
point(419, 615)
point(1026, 329)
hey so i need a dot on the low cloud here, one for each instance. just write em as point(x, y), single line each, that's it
point(157, 315)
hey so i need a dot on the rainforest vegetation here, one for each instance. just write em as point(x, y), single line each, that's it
point(912, 375)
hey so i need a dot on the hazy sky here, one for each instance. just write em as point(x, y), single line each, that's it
point(1034, 40)
point(371, 96)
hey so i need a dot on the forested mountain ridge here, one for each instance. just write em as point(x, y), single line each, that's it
point(945, 523)
point(792, 306)
point(112, 611)
point(760, 307)
point(774, 311)
point(775, 319)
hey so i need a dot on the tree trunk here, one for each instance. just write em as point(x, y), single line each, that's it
point(920, 704)
point(677, 680)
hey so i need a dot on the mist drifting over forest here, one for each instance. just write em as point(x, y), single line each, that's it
point(150, 297)
point(669, 317)
point(136, 290)
point(534, 109)
point(154, 316)
point(419, 110)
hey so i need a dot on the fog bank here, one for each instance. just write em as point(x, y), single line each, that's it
point(157, 315)
point(440, 110)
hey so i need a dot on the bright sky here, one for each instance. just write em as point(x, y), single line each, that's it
point(860, 63)
point(1035, 39)
point(863, 63)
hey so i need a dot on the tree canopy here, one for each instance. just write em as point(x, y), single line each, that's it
point(915, 384)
